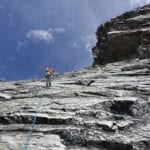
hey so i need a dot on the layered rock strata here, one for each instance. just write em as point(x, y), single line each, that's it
point(97, 108)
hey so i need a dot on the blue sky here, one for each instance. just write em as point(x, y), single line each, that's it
point(52, 33)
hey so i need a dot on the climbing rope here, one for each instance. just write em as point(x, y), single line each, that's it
point(32, 127)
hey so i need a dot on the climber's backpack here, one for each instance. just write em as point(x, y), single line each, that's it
point(47, 75)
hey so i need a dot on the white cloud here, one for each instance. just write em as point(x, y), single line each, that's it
point(139, 2)
point(40, 35)
point(44, 35)
point(89, 41)
point(59, 30)
point(21, 45)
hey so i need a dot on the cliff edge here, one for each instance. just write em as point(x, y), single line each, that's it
point(119, 38)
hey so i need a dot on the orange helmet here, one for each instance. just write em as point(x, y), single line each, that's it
point(49, 70)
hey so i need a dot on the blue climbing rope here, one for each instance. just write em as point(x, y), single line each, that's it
point(32, 127)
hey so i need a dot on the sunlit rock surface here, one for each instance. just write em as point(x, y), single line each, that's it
point(98, 108)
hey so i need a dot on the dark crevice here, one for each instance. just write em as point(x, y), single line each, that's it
point(121, 107)
point(117, 146)
point(75, 137)
point(98, 93)
point(22, 119)
point(133, 74)
point(82, 83)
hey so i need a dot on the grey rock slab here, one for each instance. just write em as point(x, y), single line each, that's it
point(124, 124)
point(4, 97)
point(7, 86)
point(112, 110)
point(38, 141)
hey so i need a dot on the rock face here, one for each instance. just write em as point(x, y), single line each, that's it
point(119, 38)
point(103, 107)
point(97, 108)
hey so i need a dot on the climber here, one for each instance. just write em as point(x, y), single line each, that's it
point(48, 75)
